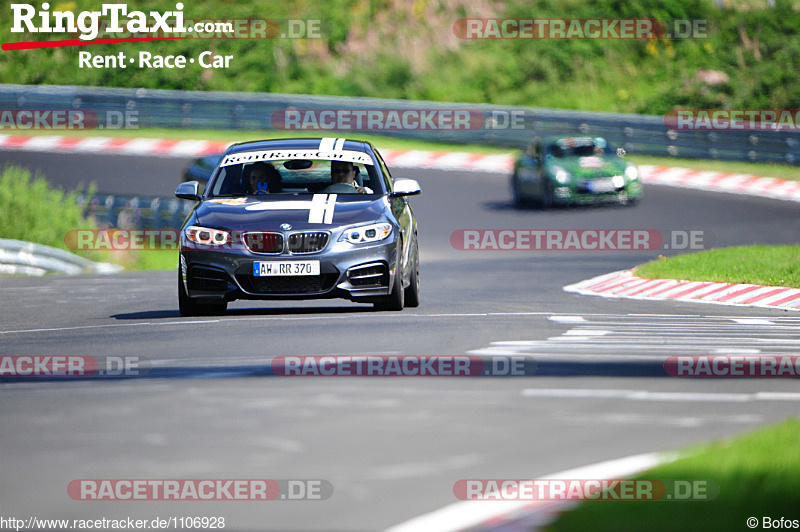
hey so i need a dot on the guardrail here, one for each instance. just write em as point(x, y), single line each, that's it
point(26, 258)
point(138, 212)
point(638, 134)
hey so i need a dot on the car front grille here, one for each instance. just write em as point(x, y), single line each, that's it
point(307, 242)
point(294, 284)
point(264, 242)
point(207, 279)
point(583, 186)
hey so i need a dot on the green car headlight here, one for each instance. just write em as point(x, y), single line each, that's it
point(632, 172)
point(561, 175)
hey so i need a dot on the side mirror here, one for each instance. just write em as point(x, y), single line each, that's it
point(405, 187)
point(188, 190)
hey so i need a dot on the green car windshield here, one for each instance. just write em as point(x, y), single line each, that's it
point(578, 147)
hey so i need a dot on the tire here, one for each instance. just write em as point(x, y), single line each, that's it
point(396, 299)
point(412, 292)
point(546, 200)
point(188, 307)
point(517, 199)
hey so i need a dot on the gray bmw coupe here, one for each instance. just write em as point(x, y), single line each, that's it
point(299, 219)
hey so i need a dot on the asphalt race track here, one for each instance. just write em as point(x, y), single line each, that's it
point(392, 448)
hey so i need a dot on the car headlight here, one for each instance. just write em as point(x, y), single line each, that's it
point(366, 233)
point(207, 236)
point(632, 172)
point(561, 175)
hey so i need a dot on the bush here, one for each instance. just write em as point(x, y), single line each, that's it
point(31, 210)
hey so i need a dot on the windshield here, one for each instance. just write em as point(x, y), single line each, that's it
point(294, 176)
point(579, 147)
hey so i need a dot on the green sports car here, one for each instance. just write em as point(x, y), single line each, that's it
point(574, 170)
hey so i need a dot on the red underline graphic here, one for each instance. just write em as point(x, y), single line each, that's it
point(59, 44)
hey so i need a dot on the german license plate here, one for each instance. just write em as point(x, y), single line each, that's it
point(283, 268)
point(605, 184)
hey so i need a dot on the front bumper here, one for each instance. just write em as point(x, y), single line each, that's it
point(575, 194)
point(354, 272)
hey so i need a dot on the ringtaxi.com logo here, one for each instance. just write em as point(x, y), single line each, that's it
point(114, 23)
point(225, 28)
point(88, 22)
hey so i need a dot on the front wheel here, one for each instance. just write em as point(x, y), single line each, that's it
point(516, 197)
point(412, 292)
point(188, 307)
point(546, 200)
point(395, 300)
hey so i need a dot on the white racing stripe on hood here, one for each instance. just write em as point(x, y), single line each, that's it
point(280, 206)
point(331, 144)
point(322, 207)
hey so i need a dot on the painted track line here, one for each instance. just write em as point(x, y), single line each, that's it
point(224, 319)
point(470, 515)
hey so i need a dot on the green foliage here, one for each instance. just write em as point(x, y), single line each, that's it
point(765, 265)
point(385, 48)
point(758, 474)
point(31, 210)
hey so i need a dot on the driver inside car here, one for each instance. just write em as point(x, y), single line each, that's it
point(343, 179)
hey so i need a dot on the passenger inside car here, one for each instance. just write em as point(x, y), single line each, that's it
point(261, 178)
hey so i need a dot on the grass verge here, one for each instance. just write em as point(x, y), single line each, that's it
point(758, 475)
point(765, 265)
point(33, 211)
point(781, 171)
